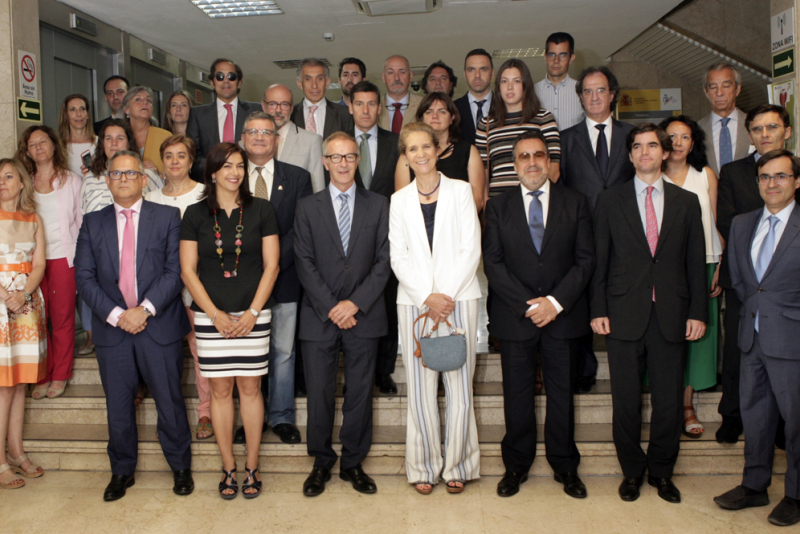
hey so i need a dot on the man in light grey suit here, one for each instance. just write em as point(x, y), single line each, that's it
point(726, 135)
point(295, 145)
point(764, 252)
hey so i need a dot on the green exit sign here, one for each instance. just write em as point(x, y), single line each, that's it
point(783, 63)
point(29, 110)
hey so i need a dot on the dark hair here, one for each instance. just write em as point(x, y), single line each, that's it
point(216, 158)
point(478, 52)
point(63, 119)
point(779, 153)
point(60, 161)
point(524, 136)
point(365, 86)
point(613, 84)
point(99, 160)
point(176, 140)
point(558, 38)
point(697, 157)
point(115, 77)
point(530, 104)
point(767, 108)
point(442, 65)
point(353, 61)
point(454, 132)
point(239, 73)
point(645, 127)
point(168, 124)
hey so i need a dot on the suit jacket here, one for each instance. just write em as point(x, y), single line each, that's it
point(289, 184)
point(742, 139)
point(158, 272)
point(304, 149)
point(518, 273)
point(579, 169)
point(452, 265)
point(467, 124)
point(409, 115)
point(329, 276)
point(383, 176)
point(337, 118)
point(622, 285)
point(99, 124)
point(203, 128)
point(775, 297)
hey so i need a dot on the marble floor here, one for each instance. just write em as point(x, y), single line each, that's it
point(71, 502)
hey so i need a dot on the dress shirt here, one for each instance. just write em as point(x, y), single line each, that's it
point(390, 107)
point(222, 113)
point(113, 317)
point(594, 133)
point(473, 107)
point(372, 143)
point(658, 200)
point(716, 128)
point(337, 204)
point(561, 100)
point(319, 114)
point(267, 173)
point(763, 229)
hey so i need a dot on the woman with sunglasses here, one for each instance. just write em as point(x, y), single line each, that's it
point(138, 107)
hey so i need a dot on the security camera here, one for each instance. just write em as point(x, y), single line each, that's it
point(328, 36)
point(415, 86)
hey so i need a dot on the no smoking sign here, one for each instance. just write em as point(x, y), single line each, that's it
point(28, 76)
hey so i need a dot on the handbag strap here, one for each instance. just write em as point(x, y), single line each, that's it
point(418, 351)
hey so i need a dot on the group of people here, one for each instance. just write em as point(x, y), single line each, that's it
point(307, 230)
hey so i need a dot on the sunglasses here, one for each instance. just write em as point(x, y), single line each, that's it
point(220, 76)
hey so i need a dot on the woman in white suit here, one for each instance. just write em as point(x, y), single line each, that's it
point(435, 250)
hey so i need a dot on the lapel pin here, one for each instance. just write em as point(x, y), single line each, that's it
point(280, 188)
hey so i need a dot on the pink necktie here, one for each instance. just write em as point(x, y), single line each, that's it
point(311, 122)
point(127, 262)
point(652, 226)
point(227, 128)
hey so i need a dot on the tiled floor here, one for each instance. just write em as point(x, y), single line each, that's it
point(71, 502)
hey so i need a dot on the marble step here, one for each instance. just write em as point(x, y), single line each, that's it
point(83, 448)
point(85, 404)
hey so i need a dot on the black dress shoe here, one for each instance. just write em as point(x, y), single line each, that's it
point(586, 383)
point(573, 486)
point(116, 488)
point(509, 484)
point(786, 513)
point(315, 483)
point(629, 489)
point(666, 489)
point(730, 430)
point(740, 498)
point(184, 484)
point(362, 483)
point(238, 436)
point(385, 383)
point(287, 432)
point(300, 390)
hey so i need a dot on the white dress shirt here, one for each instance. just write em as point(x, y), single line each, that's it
point(561, 100)
point(716, 128)
point(372, 142)
point(337, 204)
point(763, 229)
point(267, 172)
point(319, 113)
point(657, 197)
point(544, 198)
point(222, 114)
point(473, 107)
point(594, 133)
point(390, 107)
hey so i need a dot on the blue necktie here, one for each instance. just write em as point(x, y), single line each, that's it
point(725, 144)
point(344, 222)
point(765, 253)
point(536, 220)
point(601, 154)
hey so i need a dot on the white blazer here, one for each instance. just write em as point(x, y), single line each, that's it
point(452, 266)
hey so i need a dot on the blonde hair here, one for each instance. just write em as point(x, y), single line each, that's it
point(416, 127)
point(27, 199)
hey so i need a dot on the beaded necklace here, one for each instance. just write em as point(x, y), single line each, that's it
point(238, 243)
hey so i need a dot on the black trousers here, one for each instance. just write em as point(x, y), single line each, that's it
point(387, 346)
point(559, 369)
point(731, 357)
point(665, 361)
point(321, 367)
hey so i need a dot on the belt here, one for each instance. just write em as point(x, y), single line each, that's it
point(24, 267)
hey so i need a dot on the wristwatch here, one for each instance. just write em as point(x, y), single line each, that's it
point(254, 312)
point(28, 297)
point(147, 311)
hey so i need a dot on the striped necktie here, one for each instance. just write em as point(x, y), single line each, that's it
point(344, 222)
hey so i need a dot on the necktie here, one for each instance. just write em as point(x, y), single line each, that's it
point(127, 262)
point(765, 253)
point(311, 122)
point(536, 220)
point(397, 119)
point(725, 144)
point(479, 115)
point(344, 222)
point(652, 226)
point(227, 128)
point(261, 185)
point(365, 163)
point(601, 154)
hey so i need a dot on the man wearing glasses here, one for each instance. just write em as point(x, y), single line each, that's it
point(222, 120)
point(556, 91)
point(341, 244)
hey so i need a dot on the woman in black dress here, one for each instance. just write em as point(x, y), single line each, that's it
point(229, 263)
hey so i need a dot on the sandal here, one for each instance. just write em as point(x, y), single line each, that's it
point(423, 488)
point(228, 483)
point(54, 393)
point(453, 486)
point(86, 349)
point(204, 427)
point(35, 471)
point(691, 425)
point(248, 485)
point(13, 483)
point(140, 393)
point(40, 392)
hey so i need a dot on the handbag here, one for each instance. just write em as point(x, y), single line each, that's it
point(441, 353)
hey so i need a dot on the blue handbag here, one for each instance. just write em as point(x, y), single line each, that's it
point(440, 353)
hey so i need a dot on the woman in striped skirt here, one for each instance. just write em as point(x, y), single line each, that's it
point(229, 263)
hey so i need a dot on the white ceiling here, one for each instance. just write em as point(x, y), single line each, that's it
point(600, 28)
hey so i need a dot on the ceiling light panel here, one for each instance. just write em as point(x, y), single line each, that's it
point(518, 52)
point(220, 9)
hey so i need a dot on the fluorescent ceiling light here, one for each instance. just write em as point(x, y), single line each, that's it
point(217, 9)
point(518, 52)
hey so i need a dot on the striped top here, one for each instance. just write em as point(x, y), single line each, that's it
point(562, 100)
point(95, 194)
point(501, 138)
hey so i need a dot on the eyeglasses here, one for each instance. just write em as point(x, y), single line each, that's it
point(771, 128)
point(336, 158)
point(252, 132)
point(600, 91)
point(130, 175)
point(532, 155)
point(780, 179)
point(561, 55)
point(282, 105)
point(220, 76)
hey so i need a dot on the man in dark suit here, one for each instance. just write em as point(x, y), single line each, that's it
point(649, 297)
point(738, 194)
point(221, 120)
point(439, 77)
point(473, 106)
point(538, 254)
point(127, 270)
point(593, 158)
point(341, 243)
point(115, 88)
point(764, 252)
point(316, 113)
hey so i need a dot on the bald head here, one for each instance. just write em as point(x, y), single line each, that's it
point(397, 76)
point(278, 102)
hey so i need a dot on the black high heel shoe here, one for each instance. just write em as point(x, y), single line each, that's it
point(228, 483)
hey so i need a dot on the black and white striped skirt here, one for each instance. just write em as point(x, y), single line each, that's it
point(219, 356)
